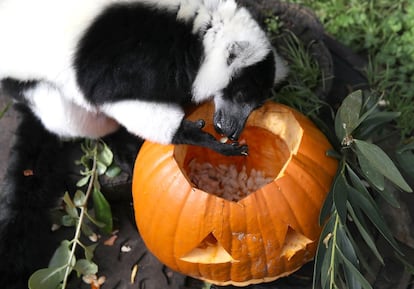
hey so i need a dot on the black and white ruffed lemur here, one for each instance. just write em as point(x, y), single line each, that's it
point(83, 68)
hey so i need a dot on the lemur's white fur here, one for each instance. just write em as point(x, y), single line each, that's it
point(133, 112)
point(39, 39)
point(234, 31)
point(65, 116)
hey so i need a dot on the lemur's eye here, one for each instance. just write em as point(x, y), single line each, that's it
point(239, 97)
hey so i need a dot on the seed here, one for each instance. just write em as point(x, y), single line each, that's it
point(224, 139)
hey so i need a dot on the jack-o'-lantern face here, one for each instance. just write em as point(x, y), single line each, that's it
point(236, 220)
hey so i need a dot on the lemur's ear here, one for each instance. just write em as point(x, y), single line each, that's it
point(236, 49)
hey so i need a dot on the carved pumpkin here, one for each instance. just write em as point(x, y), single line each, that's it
point(259, 237)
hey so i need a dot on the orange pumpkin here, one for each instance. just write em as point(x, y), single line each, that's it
point(263, 236)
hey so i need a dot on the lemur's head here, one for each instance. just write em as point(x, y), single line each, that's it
point(239, 66)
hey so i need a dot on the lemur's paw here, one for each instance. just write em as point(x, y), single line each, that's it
point(233, 149)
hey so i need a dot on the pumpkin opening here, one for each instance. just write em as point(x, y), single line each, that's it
point(234, 178)
point(209, 251)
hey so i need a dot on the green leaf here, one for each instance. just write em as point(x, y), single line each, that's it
point(68, 221)
point(102, 210)
point(113, 171)
point(61, 256)
point(364, 259)
point(371, 173)
point(377, 158)
point(369, 207)
point(48, 278)
point(355, 180)
point(318, 272)
point(327, 208)
point(356, 275)
point(370, 105)
point(348, 251)
point(359, 186)
point(70, 207)
point(340, 196)
point(364, 234)
point(333, 154)
point(85, 267)
point(374, 121)
point(388, 195)
point(101, 168)
point(345, 245)
point(348, 114)
point(68, 201)
point(105, 155)
point(83, 181)
point(79, 199)
point(326, 269)
point(94, 221)
point(90, 251)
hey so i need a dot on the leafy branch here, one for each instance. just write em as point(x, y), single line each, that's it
point(364, 170)
point(96, 160)
point(350, 215)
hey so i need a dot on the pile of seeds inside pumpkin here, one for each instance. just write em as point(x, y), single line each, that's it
point(225, 181)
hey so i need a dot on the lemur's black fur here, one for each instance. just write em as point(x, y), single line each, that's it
point(138, 64)
point(36, 177)
point(125, 55)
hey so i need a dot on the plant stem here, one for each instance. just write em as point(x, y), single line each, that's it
point(333, 249)
point(83, 210)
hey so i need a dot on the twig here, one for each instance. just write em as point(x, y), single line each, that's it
point(83, 210)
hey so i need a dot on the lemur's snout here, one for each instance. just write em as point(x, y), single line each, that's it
point(228, 126)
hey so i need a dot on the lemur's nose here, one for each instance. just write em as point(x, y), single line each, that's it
point(218, 127)
point(234, 136)
point(227, 130)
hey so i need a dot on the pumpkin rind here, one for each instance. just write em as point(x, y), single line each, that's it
point(267, 234)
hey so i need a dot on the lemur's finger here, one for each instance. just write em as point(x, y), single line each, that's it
point(200, 123)
point(245, 150)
